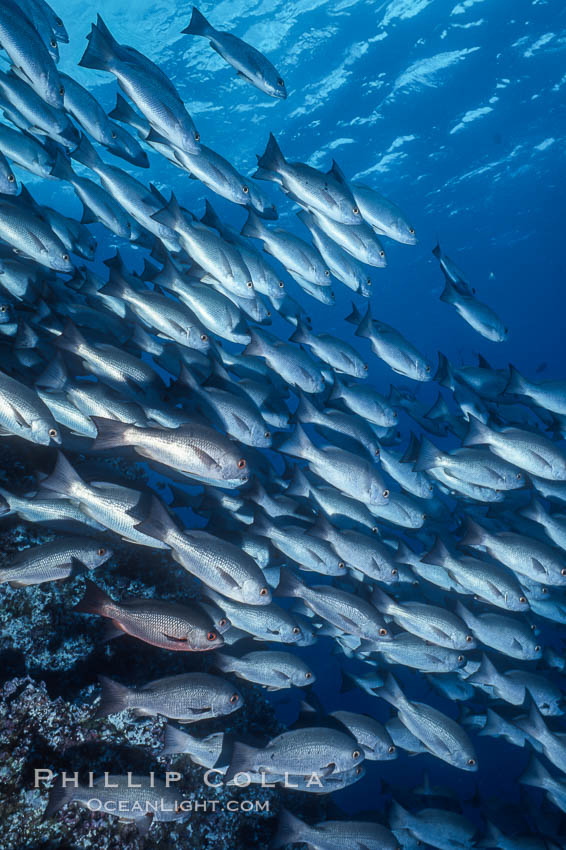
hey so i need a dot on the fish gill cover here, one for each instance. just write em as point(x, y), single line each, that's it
point(283, 410)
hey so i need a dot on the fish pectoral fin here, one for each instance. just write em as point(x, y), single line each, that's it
point(538, 567)
point(18, 416)
point(328, 770)
point(515, 644)
point(205, 458)
point(174, 639)
point(239, 422)
point(143, 824)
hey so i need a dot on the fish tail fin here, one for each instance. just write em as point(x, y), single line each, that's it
point(62, 169)
point(272, 158)
point(55, 376)
point(297, 445)
point(301, 334)
point(355, 316)
point(535, 774)
point(290, 830)
point(474, 534)
point(381, 601)
point(71, 339)
point(486, 674)
point(449, 294)
point(157, 521)
point(63, 479)
point(399, 818)
point(444, 375)
point(365, 327)
point(306, 411)
point(289, 584)
point(391, 692)
point(111, 434)
point(428, 456)
point(300, 485)
point(533, 724)
point(243, 758)
point(59, 796)
point(404, 554)
point(175, 741)
point(437, 251)
point(224, 662)
point(478, 433)
point(122, 112)
point(86, 154)
point(117, 287)
point(438, 555)
point(198, 25)
point(337, 389)
point(534, 511)
point(94, 601)
point(517, 383)
point(171, 214)
point(256, 345)
point(210, 217)
point(101, 48)
point(113, 699)
point(253, 226)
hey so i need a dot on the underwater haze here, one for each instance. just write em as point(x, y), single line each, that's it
point(283, 484)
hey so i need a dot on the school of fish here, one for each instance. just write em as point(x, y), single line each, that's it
point(439, 551)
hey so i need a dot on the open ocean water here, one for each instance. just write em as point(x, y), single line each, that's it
point(455, 111)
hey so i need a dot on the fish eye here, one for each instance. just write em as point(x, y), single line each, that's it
point(281, 284)
point(382, 253)
point(52, 432)
point(394, 414)
point(411, 230)
point(62, 91)
point(326, 273)
point(358, 770)
point(537, 648)
point(533, 627)
point(382, 632)
point(366, 367)
point(264, 591)
point(245, 190)
point(101, 552)
point(249, 284)
point(376, 452)
point(241, 463)
point(114, 134)
point(223, 622)
point(544, 590)
point(3, 308)
point(522, 599)
point(563, 571)
point(469, 638)
point(427, 367)
point(204, 337)
point(11, 178)
point(506, 330)
point(267, 435)
point(296, 630)
point(460, 658)
point(391, 749)
point(129, 225)
point(234, 698)
point(394, 571)
point(431, 488)
point(65, 257)
point(368, 281)
point(341, 565)
point(268, 314)
point(386, 494)
point(53, 43)
point(211, 636)
point(355, 210)
point(197, 136)
point(308, 675)
point(15, 250)
point(356, 754)
point(424, 517)
point(374, 529)
point(519, 476)
point(280, 81)
point(471, 762)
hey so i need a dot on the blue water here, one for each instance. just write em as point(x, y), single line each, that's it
point(454, 110)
